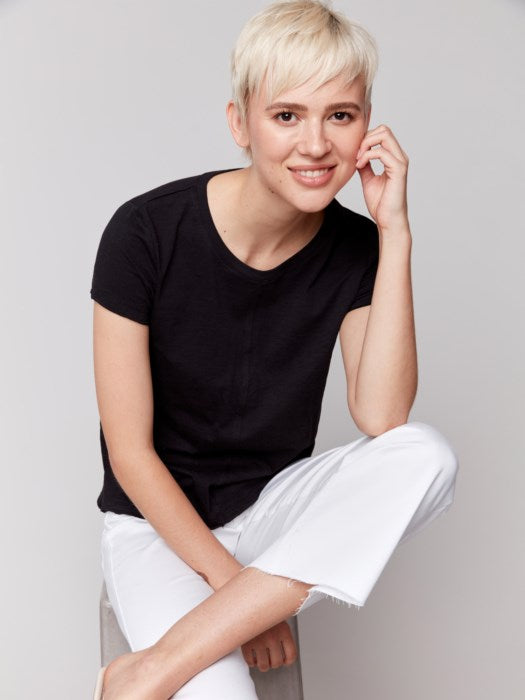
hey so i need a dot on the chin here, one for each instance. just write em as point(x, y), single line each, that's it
point(314, 201)
point(313, 208)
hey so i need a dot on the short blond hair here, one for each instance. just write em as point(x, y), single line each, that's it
point(292, 41)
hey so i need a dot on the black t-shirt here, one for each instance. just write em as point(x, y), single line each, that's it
point(239, 356)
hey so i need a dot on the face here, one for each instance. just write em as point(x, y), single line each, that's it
point(304, 145)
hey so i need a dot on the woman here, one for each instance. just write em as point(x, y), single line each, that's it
point(219, 298)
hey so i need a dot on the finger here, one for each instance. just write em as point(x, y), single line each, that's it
point(249, 656)
point(289, 651)
point(269, 657)
point(260, 657)
point(383, 135)
point(263, 658)
point(274, 653)
point(391, 163)
point(366, 173)
point(277, 655)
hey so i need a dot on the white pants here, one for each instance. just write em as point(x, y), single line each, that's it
point(334, 519)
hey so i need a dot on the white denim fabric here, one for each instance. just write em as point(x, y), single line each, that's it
point(333, 520)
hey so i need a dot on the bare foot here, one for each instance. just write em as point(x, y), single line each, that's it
point(133, 676)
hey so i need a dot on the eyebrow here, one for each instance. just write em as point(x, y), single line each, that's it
point(303, 108)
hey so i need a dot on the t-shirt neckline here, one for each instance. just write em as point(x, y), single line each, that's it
point(230, 259)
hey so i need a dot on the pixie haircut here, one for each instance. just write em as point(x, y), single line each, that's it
point(293, 41)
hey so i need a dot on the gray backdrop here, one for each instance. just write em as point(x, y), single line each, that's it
point(103, 100)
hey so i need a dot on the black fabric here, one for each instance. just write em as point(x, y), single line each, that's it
point(239, 356)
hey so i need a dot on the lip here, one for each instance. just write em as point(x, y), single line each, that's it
point(313, 181)
point(312, 166)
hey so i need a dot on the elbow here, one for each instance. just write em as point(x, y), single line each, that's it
point(376, 422)
point(372, 427)
point(374, 432)
point(121, 460)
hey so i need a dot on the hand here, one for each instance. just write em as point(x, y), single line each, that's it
point(385, 194)
point(265, 650)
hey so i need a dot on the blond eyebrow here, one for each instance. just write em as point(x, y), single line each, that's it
point(303, 108)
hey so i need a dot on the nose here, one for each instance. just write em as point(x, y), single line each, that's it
point(313, 140)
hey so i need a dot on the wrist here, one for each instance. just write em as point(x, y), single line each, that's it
point(220, 578)
point(397, 230)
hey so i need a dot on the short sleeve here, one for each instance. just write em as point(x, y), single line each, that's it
point(125, 271)
point(363, 296)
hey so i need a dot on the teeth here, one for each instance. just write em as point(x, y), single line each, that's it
point(312, 173)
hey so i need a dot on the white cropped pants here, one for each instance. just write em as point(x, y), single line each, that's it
point(333, 519)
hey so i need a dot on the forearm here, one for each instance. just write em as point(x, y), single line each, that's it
point(150, 486)
point(386, 381)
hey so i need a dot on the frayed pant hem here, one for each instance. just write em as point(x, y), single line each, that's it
point(315, 593)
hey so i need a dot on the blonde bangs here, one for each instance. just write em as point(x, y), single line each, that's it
point(291, 42)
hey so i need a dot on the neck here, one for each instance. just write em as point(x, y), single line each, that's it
point(266, 218)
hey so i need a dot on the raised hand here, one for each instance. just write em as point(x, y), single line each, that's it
point(385, 194)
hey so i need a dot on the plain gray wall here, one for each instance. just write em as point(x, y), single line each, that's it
point(103, 100)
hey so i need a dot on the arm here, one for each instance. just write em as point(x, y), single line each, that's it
point(381, 361)
point(378, 343)
point(125, 401)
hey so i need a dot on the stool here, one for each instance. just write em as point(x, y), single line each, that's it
point(283, 683)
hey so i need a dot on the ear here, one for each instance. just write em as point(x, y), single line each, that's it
point(239, 131)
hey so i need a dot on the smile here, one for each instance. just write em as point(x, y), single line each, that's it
point(313, 177)
point(312, 173)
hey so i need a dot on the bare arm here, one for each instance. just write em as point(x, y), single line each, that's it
point(125, 401)
point(378, 344)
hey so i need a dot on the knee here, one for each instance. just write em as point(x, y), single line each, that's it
point(438, 451)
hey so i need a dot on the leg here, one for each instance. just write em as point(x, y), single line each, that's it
point(150, 589)
point(249, 603)
point(360, 499)
point(336, 518)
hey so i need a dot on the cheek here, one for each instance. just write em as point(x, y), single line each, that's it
point(272, 143)
point(351, 144)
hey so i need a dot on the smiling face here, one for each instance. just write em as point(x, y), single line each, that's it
point(304, 144)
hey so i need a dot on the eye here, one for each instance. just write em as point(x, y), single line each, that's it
point(342, 115)
point(286, 117)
